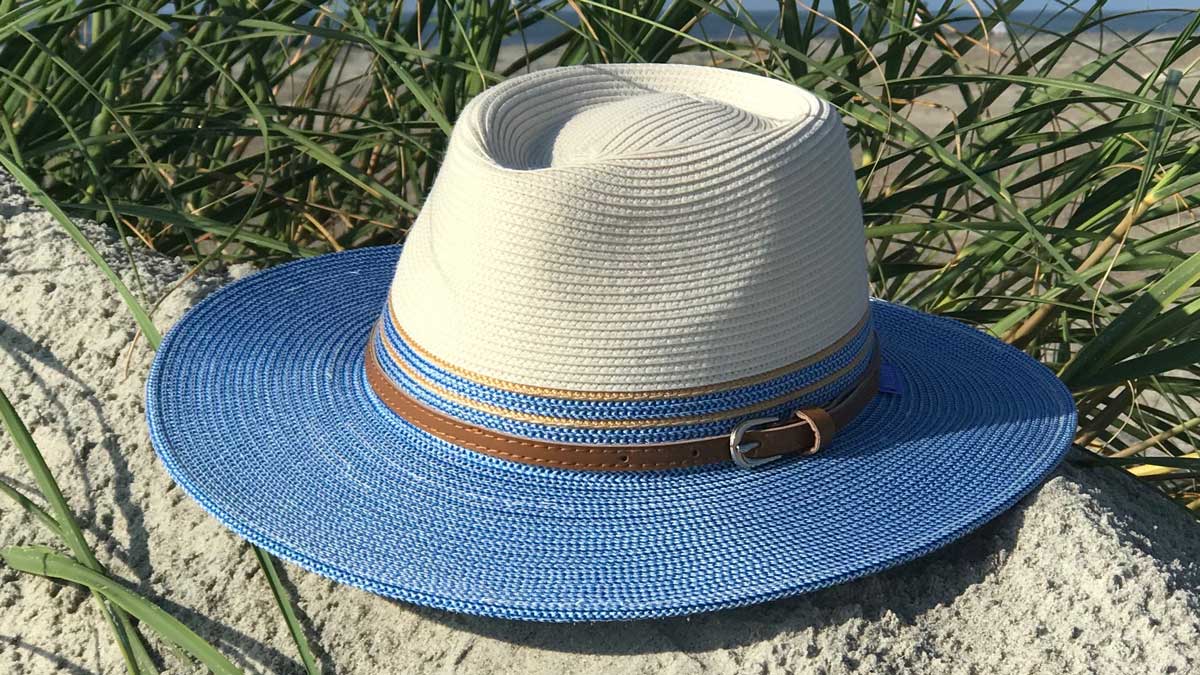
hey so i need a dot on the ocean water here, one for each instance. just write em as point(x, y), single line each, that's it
point(713, 27)
point(1022, 23)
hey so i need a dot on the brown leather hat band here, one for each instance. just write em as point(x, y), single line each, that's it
point(752, 442)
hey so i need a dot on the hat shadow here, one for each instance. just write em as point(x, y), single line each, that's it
point(905, 591)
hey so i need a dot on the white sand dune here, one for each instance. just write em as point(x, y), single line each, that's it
point(1093, 573)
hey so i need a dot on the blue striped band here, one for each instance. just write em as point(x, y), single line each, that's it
point(634, 419)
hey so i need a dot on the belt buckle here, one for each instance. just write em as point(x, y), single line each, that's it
point(738, 448)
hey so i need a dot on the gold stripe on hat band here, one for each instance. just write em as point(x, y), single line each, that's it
point(576, 395)
point(867, 349)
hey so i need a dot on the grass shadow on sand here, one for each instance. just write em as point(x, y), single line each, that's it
point(52, 661)
point(25, 352)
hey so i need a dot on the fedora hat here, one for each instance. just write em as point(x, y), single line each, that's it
point(625, 365)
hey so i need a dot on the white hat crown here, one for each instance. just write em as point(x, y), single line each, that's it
point(636, 228)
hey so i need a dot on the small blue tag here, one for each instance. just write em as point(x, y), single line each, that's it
point(890, 381)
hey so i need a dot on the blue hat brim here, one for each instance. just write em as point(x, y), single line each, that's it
point(258, 407)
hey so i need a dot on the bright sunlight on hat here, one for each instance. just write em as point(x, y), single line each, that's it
point(626, 365)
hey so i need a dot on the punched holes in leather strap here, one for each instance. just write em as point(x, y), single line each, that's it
point(805, 432)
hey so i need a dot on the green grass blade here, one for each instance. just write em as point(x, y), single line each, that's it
point(345, 169)
point(137, 657)
point(1173, 462)
point(46, 563)
point(1096, 354)
point(1172, 358)
point(267, 564)
point(28, 506)
point(35, 191)
point(199, 224)
point(419, 91)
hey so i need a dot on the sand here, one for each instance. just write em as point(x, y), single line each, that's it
point(1093, 572)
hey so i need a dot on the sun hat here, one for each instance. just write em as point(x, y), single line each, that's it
point(625, 365)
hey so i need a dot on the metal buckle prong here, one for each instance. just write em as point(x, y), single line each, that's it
point(738, 448)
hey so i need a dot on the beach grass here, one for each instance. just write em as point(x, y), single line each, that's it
point(1034, 175)
point(115, 603)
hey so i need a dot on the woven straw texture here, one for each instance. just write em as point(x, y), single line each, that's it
point(622, 420)
point(636, 227)
point(258, 406)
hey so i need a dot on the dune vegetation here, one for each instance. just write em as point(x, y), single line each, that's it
point(1033, 174)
